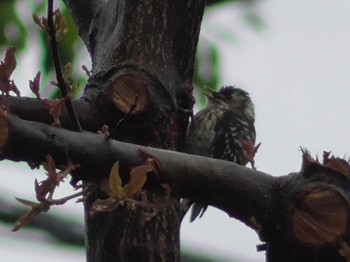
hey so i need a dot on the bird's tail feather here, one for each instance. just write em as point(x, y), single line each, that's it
point(198, 209)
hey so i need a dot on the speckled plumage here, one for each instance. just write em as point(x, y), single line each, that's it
point(218, 130)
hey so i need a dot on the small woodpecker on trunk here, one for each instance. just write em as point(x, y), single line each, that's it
point(224, 129)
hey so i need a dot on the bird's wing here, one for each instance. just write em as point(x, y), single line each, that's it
point(230, 131)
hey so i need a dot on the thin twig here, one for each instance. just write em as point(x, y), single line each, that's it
point(132, 108)
point(58, 67)
point(63, 200)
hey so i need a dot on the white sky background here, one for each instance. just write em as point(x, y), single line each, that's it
point(297, 71)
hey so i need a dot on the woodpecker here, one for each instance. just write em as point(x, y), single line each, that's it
point(224, 129)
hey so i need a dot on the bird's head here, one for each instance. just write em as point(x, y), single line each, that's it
point(235, 98)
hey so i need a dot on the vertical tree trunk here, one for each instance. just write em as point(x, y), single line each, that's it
point(143, 52)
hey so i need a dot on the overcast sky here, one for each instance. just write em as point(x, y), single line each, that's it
point(297, 71)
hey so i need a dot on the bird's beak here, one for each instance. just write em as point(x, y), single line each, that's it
point(209, 93)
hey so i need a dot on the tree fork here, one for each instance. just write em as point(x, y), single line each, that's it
point(143, 50)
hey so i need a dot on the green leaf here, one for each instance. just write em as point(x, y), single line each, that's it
point(28, 202)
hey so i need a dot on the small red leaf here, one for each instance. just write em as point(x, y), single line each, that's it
point(104, 131)
point(55, 107)
point(50, 166)
point(37, 208)
point(35, 85)
point(10, 61)
point(14, 88)
point(7, 66)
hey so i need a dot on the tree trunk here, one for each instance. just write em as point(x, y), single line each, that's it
point(142, 52)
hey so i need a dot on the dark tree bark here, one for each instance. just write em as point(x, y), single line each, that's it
point(142, 67)
point(142, 49)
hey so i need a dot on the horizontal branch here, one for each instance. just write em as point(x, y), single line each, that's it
point(32, 109)
point(241, 192)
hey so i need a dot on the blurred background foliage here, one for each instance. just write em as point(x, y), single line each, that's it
point(207, 66)
point(18, 29)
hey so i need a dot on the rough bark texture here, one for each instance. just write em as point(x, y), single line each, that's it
point(143, 57)
point(142, 51)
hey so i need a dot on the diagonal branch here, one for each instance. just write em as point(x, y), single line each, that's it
point(62, 228)
point(58, 67)
point(241, 192)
